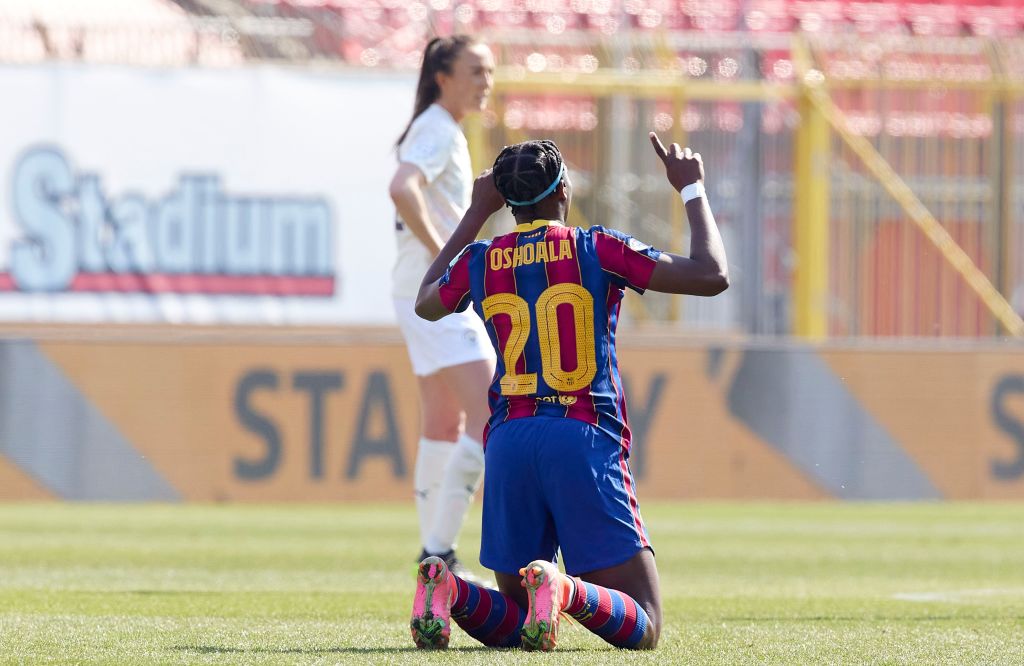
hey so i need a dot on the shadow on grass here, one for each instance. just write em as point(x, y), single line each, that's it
point(217, 649)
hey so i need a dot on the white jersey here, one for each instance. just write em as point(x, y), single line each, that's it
point(436, 145)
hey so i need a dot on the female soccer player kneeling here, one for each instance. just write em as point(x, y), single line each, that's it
point(557, 441)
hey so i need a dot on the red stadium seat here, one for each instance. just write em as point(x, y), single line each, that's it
point(931, 18)
point(875, 17)
point(990, 20)
point(713, 15)
point(817, 15)
point(767, 16)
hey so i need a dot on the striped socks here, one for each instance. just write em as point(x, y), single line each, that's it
point(494, 619)
point(610, 614)
point(487, 615)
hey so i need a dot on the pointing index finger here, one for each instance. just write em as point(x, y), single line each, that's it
point(659, 148)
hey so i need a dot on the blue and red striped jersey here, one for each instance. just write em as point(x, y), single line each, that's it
point(549, 296)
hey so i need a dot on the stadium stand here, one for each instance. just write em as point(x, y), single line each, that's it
point(390, 33)
point(393, 30)
point(908, 76)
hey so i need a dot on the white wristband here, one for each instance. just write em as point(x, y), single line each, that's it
point(692, 191)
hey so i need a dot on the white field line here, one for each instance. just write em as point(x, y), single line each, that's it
point(956, 595)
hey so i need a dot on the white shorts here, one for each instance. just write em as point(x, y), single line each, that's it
point(453, 340)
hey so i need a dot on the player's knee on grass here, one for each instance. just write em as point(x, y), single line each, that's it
point(511, 584)
point(653, 633)
point(637, 579)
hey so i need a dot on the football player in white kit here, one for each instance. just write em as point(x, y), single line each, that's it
point(452, 358)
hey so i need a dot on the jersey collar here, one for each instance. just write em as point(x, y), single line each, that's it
point(537, 224)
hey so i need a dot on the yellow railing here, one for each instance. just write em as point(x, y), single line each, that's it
point(811, 223)
point(817, 107)
point(813, 148)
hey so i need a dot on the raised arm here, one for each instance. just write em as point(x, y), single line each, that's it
point(485, 202)
point(706, 271)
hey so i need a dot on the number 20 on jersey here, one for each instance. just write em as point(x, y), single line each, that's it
point(549, 338)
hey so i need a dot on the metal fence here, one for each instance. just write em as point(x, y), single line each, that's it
point(818, 243)
point(944, 115)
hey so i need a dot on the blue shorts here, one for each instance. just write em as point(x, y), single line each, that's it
point(552, 483)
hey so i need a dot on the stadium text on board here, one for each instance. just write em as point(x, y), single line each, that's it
point(195, 239)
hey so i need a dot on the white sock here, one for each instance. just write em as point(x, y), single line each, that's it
point(431, 459)
point(461, 479)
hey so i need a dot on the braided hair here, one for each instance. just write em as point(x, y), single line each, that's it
point(523, 171)
point(438, 56)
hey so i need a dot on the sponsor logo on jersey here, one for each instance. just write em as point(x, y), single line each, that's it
point(566, 400)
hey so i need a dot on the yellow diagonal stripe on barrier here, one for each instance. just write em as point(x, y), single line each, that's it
point(813, 88)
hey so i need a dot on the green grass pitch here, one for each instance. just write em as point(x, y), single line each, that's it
point(821, 583)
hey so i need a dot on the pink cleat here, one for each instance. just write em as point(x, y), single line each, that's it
point(546, 587)
point(431, 608)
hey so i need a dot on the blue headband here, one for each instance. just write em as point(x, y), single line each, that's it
point(551, 188)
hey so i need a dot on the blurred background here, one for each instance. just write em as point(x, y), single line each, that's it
point(196, 238)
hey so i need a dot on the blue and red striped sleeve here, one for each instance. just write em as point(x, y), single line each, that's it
point(454, 285)
point(628, 262)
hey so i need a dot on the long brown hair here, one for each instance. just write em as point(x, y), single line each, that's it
point(439, 56)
